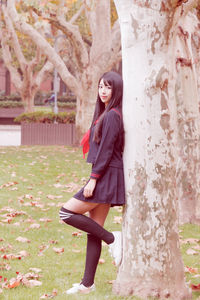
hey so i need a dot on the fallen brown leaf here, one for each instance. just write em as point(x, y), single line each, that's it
point(36, 270)
point(117, 219)
point(77, 233)
point(191, 251)
point(23, 240)
point(191, 270)
point(58, 250)
point(101, 261)
point(34, 226)
point(52, 295)
point(45, 220)
point(24, 253)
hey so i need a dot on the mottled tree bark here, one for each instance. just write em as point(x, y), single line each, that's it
point(151, 265)
point(187, 96)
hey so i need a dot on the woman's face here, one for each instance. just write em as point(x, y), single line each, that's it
point(105, 92)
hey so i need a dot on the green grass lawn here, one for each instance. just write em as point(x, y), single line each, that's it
point(34, 183)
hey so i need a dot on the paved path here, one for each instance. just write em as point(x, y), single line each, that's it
point(10, 135)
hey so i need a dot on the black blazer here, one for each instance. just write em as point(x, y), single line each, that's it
point(107, 153)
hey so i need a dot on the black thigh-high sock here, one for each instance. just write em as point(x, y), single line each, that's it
point(92, 259)
point(86, 224)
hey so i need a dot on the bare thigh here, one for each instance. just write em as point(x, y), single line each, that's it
point(98, 212)
point(79, 206)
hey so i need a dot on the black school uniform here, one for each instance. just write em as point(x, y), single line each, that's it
point(107, 163)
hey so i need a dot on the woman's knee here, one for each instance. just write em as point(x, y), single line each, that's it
point(65, 214)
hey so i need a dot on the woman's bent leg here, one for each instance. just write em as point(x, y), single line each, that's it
point(84, 223)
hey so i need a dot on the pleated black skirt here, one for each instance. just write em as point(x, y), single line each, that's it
point(109, 188)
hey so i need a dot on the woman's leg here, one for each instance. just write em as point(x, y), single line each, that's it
point(98, 214)
point(72, 214)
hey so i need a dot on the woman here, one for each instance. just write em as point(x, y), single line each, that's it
point(105, 187)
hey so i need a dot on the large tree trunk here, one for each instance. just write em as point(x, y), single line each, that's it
point(86, 101)
point(28, 103)
point(151, 265)
point(188, 168)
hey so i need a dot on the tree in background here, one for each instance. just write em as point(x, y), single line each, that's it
point(151, 264)
point(25, 62)
point(79, 60)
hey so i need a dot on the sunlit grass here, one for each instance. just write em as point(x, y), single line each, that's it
point(38, 180)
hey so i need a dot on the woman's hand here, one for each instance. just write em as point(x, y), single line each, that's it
point(89, 188)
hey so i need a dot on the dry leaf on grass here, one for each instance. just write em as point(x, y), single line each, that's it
point(191, 251)
point(190, 241)
point(191, 270)
point(53, 197)
point(76, 250)
point(53, 294)
point(8, 184)
point(53, 242)
point(10, 256)
point(111, 281)
point(58, 250)
point(29, 280)
point(45, 220)
point(42, 249)
point(117, 220)
point(101, 261)
point(35, 270)
point(24, 253)
point(7, 220)
point(77, 233)
point(34, 226)
point(12, 283)
point(72, 187)
point(23, 239)
point(5, 248)
point(32, 283)
point(58, 185)
point(5, 267)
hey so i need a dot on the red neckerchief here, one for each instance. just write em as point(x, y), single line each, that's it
point(85, 141)
point(86, 137)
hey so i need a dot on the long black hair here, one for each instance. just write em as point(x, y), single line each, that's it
point(114, 80)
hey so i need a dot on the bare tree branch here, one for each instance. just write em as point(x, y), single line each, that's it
point(45, 47)
point(101, 31)
point(7, 58)
point(21, 59)
point(72, 33)
point(36, 59)
point(43, 73)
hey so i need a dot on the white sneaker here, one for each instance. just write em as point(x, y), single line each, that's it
point(80, 288)
point(115, 248)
